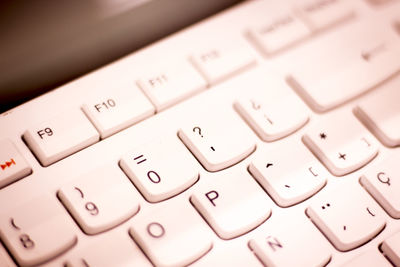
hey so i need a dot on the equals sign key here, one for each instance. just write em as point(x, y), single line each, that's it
point(139, 158)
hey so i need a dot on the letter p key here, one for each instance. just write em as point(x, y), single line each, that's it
point(212, 195)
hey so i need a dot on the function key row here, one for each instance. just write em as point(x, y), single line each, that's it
point(110, 112)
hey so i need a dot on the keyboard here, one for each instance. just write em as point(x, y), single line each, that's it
point(265, 135)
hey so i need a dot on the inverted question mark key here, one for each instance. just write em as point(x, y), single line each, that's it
point(218, 144)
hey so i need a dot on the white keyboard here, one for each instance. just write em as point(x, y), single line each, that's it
point(267, 135)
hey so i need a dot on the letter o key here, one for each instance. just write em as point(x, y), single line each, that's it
point(155, 230)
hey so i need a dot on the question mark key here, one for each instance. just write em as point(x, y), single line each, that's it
point(217, 146)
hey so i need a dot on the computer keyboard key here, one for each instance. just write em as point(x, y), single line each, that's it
point(111, 249)
point(294, 243)
point(288, 181)
point(272, 121)
point(342, 147)
point(12, 164)
point(173, 235)
point(37, 231)
point(368, 258)
point(117, 110)
point(380, 112)
point(168, 85)
point(320, 14)
point(391, 248)
point(232, 210)
point(217, 64)
point(348, 217)
point(231, 253)
point(161, 169)
point(101, 199)
point(5, 258)
point(218, 141)
point(60, 136)
point(382, 183)
point(345, 71)
point(278, 32)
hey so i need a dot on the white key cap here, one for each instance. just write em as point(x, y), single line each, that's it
point(172, 235)
point(381, 181)
point(232, 210)
point(37, 231)
point(391, 248)
point(343, 147)
point(381, 114)
point(278, 32)
point(348, 217)
point(101, 199)
point(239, 256)
point(111, 249)
point(272, 121)
point(12, 165)
point(320, 14)
point(60, 136)
point(166, 86)
point(218, 143)
point(294, 243)
point(118, 110)
point(161, 169)
point(346, 71)
point(5, 259)
point(216, 64)
point(369, 258)
point(289, 182)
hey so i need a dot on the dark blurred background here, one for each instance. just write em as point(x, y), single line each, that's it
point(46, 43)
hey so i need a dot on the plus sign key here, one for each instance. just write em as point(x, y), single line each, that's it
point(12, 165)
point(342, 147)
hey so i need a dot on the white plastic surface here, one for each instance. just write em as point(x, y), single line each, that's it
point(347, 71)
point(316, 53)
point(115, 249)
point(155, 173)
point(320, 14)
point(168, 85)
point(278, 32)
point(272, 121)
point(172, 236)
point(117, 109)
point(12, 165)
point(37, 231)
point(289, 182)
point(216, 64)
point(343, 147)
point(369, 258)
point(381, 113)
point(296, 243)
point(391, 248)
point(101, 199)
point(60, 136)
point(218, 141)
point(382, 182)
point(229, 210)
point(348, 218)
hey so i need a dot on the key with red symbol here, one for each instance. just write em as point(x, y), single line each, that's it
point(12, 165)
